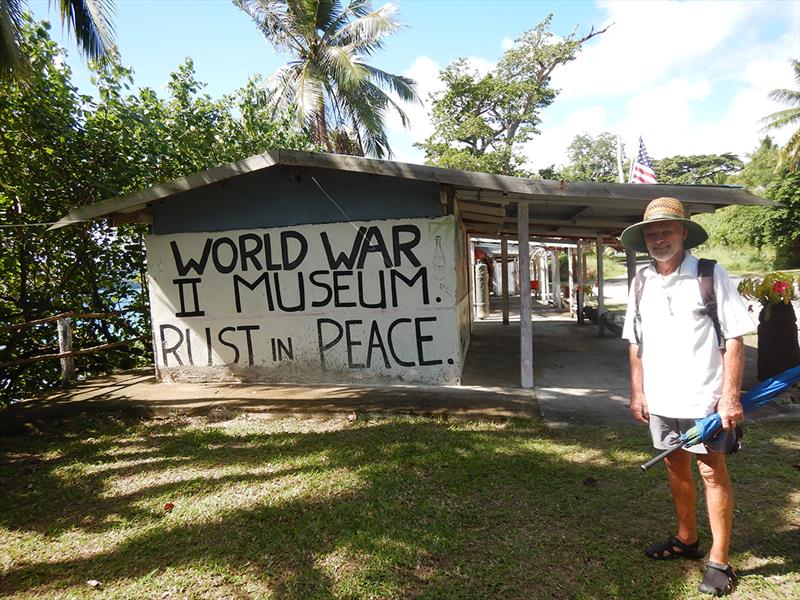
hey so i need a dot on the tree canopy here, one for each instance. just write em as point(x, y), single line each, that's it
point(697, 169)
point(592, 158)
point(480, 121)
point(339, 97)
point(60, 149)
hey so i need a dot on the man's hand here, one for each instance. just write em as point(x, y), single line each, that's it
point(639, 408)
point(729, 407)
point(730, 410)
point(638, 401)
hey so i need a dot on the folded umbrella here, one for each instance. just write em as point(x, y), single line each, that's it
point(707, 428)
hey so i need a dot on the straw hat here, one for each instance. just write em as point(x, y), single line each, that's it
point(663, 209)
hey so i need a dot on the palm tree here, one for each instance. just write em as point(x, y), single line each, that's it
point(90, 20)
point(339, 98)
point(790, 154)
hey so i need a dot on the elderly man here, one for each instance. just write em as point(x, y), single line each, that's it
point(685, 366)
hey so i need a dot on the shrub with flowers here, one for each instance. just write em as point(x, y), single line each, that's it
point(773, 288)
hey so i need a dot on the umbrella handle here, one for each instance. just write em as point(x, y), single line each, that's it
point(660, 457)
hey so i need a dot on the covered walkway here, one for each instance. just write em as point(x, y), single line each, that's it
point(578, 375)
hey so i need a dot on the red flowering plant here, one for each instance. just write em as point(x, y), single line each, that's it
point(773, 288)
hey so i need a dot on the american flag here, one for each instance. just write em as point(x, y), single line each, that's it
point(642, 169)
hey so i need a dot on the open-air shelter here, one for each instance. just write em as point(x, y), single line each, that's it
point(299, 266)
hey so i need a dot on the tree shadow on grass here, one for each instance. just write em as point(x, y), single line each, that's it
point(395, 508)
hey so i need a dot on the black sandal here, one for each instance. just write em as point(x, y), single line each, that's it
point(718, 580)
point(674, 548)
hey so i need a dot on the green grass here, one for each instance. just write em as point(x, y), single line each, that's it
point(389, 508)
point(740, 260)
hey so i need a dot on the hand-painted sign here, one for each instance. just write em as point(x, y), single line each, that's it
point(337, 302)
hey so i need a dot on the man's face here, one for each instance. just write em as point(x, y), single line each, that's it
point(664, 239)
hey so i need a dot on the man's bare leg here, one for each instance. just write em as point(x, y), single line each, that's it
point(684, 495)
point(719, 498)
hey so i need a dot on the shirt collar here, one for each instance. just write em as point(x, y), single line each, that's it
point(688, 267)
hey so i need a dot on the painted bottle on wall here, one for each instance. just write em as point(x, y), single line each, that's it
point(439, 260)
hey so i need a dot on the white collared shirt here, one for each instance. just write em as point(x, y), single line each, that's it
point(680, 357)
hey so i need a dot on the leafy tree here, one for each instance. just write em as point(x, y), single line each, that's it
point(699, 169)
point(90, 20)
point(592, 159)
point(784, 222)
point(338, 96)
point(790, 155)
point(481, 121)
point(759, 170)
point(59, 149)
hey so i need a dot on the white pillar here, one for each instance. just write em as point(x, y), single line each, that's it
point(504, 276)
point(570, 282)
point(525, 331)
point(581, 280)
point(601, 305)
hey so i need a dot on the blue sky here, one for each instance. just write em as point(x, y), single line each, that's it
point(689, 77)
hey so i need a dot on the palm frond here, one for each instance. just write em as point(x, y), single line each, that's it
point(344, 67)
point(404, 87)
point(355, 9)
point(282, 85)
point(275, 21)
point(91, 20)
point(785, 96)
point(308, 92)
point(789, 155)
point(366, 33)
point(315, 15)
point(12, 59)
point(384, 101)
point(366, 118)
point(781, 118)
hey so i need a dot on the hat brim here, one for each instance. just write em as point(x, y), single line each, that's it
point(633, 236)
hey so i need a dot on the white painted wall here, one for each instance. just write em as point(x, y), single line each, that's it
point(341, 302)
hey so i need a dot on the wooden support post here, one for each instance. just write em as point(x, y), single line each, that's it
point(581, 280)
point(601, 304)
point(64, 346)
point(525, 330)
point(630, 262)
point(504, 276)
point(570, 283)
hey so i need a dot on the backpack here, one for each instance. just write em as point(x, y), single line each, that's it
point(705, 279)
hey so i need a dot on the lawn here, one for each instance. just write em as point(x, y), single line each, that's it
point(374, 508)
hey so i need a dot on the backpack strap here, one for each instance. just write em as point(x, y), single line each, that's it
point(705, 279)
point(637, 317)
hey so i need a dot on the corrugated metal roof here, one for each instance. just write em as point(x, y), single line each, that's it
point(487, 202)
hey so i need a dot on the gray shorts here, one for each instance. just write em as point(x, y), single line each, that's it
point(667, 431)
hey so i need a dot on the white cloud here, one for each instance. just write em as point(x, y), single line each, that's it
point(550, 148)
point(706, 96)
point(507, 43)
point(647, 41)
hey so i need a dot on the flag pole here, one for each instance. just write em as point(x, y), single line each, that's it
point(633, 162)
point(619, 159)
